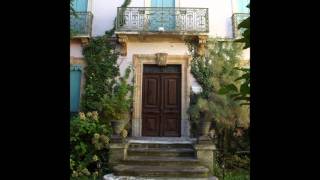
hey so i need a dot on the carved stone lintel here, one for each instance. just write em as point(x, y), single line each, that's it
point(202, 42)
point(161, 59)
point(123, 42)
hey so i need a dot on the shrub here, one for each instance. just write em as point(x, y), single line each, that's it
point(117, 105)
point(100, 73)
point(89, 140)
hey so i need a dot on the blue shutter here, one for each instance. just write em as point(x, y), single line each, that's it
point(165, 18)
point(168, 3)
point(80, 5)
point(75, 81)
point(242, 6)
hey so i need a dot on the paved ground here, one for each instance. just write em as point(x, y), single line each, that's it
point(162, 140)
point(112, 177)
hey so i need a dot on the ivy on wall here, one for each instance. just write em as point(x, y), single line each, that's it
point(213, 71)
point(199, 67)
point(102, 69)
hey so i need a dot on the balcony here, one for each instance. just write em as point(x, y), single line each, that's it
point(237, 18)
point(81, 24)
point(162, 19)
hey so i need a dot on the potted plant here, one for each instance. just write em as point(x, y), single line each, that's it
point(201, 115)
point(116, 107)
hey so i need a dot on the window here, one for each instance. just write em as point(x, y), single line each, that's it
point(241, 6)
point(162, 19)
point(80, 5)
point(75, 82)
point(241, 12)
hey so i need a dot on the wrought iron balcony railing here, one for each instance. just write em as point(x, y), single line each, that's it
point(162, 19)
point(237, 18)
point(81, 24)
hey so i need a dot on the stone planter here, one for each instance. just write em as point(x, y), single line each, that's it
point(204, 126)
point(118, 126)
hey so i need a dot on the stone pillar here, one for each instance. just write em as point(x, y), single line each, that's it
point(205, 154)
point(117, 152)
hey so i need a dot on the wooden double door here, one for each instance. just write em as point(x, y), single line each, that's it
point(161, 100)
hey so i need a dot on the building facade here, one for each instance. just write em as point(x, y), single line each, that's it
point(151, 36)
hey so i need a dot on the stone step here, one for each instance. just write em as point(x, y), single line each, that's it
point(161, 161)
point(162, 152)
point(161, 171)
point(160, 145)
point(113, 177)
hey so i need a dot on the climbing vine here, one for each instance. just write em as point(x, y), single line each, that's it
point(111, 31)
point(102, 69)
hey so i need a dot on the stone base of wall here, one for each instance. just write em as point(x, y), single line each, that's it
point(205, 154)
point(117, 153)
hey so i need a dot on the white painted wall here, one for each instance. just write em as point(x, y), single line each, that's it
point(220, 12)
point(75, 49)
point(137, 3)
point(152, 48)
point(105, 11)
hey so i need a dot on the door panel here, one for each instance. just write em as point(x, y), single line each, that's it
point(171, 125)
point(151, 124)
point(161, 97)
point(152, 92)
point(171, 90)
point(171, 104)
point(151, 109)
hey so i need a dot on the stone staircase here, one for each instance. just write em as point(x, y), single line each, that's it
point(175, 160)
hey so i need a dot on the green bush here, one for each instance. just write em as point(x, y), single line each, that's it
point(237, 175)
point(89, 139)
point(117, 105)
point(100, 73)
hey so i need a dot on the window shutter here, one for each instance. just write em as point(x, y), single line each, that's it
point(75, 81)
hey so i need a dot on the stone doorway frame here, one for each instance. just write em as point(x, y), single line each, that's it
point(138, 61)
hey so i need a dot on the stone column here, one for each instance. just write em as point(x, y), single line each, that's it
point(205, 154)
point(117, 153)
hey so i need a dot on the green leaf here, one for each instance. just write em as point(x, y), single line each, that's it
point(245, 23)
point(245, 104)
point(242, 69)
point(228, 88)
point(235, 95)
point(242, 98)
point(245, 76)
point(245, 89)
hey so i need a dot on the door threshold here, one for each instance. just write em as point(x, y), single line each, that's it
point(162, 140)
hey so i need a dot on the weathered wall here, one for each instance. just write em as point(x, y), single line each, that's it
point(76, 49)
point(172, 48)
point(220, 12)
point(104, 13)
